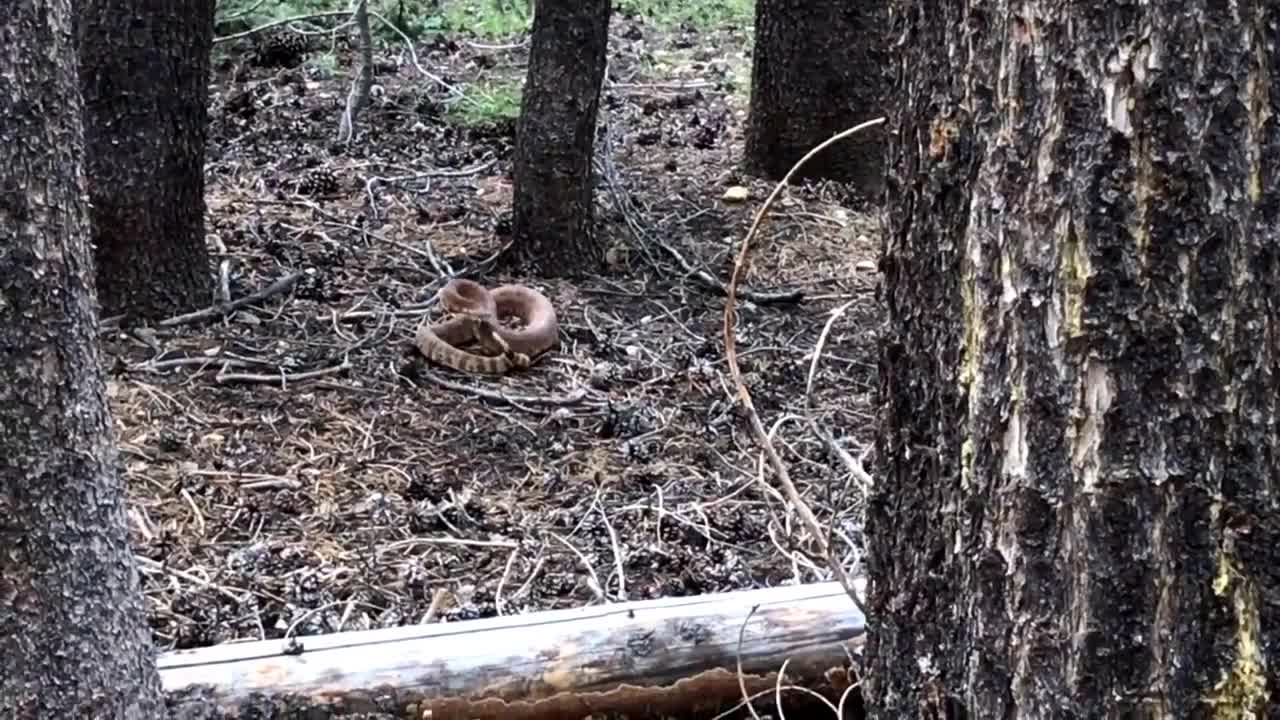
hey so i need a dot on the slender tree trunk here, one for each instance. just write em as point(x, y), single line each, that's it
point(73, 638)
point(145, 73)
point(817, 69)
point(555, 138)
point(1079, 513)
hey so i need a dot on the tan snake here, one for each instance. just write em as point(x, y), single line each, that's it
point(478, 312)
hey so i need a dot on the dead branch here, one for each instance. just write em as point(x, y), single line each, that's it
point(243, 13)
point(744, 396)
point(362, 83)
point(514, 400)
point(224, 309)
point(283, 21)
point(454, 92)
point(284, 379)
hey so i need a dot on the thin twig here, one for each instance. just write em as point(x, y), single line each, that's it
point(742, 682)
point(618, 563)
point(437, 599)
point(744, 396)
point(593, 579)
point(284, 21)
point(852, 464)
point(502, 581)
point(413, 58)
point(226, 591)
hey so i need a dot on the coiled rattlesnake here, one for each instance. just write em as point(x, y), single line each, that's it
point(478, 312)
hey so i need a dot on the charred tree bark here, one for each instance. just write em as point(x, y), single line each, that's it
point(73, 638)
point(144, 74)
point(1080, 375)
point(555, 137)
point(817, 69)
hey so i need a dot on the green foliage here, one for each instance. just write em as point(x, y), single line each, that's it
point(700, 14)
point(240, 15)
point(488, 102)
point(325, 61)
point(487, 18)
point(414, 18)
point(484, 18)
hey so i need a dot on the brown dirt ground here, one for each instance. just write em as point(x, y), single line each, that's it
point(353, 498)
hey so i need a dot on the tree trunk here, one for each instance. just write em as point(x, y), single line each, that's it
point(73, 638)
point(144, 74)
point(1078, 514)
point(817, 69)
point(555, 138)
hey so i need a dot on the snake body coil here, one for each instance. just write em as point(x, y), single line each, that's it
point(478, 311)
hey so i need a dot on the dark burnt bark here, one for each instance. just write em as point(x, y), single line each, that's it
point(817, 69)
point(1077, 514)
point(73, 639)
point(555, 137)
point(144, 73)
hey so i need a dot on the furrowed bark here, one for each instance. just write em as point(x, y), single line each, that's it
point(1080, 373)
point(73, 635)
point(552, 208)
point(817, 69)
point(145, 74)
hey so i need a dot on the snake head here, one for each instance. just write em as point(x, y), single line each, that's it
point(485, 331)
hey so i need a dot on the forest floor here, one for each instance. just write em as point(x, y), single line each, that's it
point(295, 466)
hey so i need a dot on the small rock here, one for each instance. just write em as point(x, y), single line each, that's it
point(616, 256)
point(648, 137)
point(865, 266)
point(736, 194)
point(601, 375)
point(146, 335)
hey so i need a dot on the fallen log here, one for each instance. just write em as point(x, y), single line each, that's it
point(667, 655)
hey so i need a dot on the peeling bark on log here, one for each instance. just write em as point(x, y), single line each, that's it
point(1081, 370)
point(668, 655)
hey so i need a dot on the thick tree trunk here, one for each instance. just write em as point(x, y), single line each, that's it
point(555, 137)
point(144, 73)
point(73, 638)
point(1079, 514)
point(817, 69)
